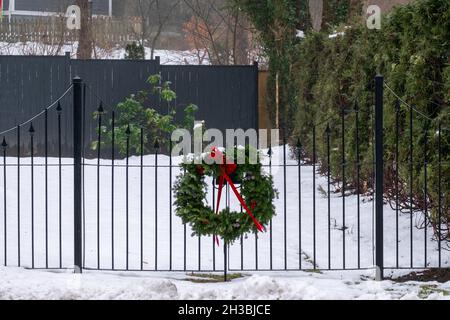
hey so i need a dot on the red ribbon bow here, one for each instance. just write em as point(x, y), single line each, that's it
point(227, 170)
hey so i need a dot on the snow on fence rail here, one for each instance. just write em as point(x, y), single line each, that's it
point(107, 32)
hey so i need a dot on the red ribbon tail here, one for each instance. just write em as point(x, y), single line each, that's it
point(224, 176)
point(255, 221)
point(216, 238)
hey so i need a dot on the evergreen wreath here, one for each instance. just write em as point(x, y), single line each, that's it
point(257, 191)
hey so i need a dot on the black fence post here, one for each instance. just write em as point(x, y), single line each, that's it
point(256, 97)
point(77, 178)
point(379, 175)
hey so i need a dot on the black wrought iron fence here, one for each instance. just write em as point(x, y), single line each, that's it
point(418, 170)
point(28, 194)
point(115, 212)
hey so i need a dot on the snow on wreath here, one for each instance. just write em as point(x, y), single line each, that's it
point(256, 195)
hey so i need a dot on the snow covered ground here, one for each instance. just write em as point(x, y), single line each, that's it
point(19, 283)
point(25, 284)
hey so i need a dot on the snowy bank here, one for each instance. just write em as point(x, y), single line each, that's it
point(26, 284)
point(167, 57)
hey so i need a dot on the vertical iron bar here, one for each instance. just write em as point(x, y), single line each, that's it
point(141, 178)
point(299, 155)
point(344, 163)
point(440, 193)
point(77, 170)
point(185, 238)
point(411, 168)
point(225, 258)
point(397, 163)
point(285, 202)
point(59, 110)
point(99, 143)
point(214, 236)
point(156, 204)
point(242, 248)
point(314, 197)
point(18, 196)
point(31, 131)
point(328, 132)
point(358, 186)
point(170, 205)
point(425, 195)
point(256, 251)
point(113, 150)
point(225, 245)
point(379, 175)
point(46, 185)
point(127, 205)
point(271, 220)
point(256, 231)
point(4, 146)
point(199, 253)
point(83, 136)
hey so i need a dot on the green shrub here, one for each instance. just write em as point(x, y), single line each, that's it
point(134, 51)
point(133, 115)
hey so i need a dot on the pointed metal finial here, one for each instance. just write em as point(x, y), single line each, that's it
point(328, 129)
point(59, 108)
point(100, 109)
point(156, 145)
point(270, 152)
point(397, 105)
point(299, 148)
point(128, 131)
point(4, 144)
point(31, 130)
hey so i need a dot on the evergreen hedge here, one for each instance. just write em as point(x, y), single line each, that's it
point(337, 73)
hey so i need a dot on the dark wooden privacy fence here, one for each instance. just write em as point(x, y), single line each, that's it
point(227, 96)
point(27, 86)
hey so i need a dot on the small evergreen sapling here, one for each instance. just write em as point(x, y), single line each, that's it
point(134, 51)
point(132, 115)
